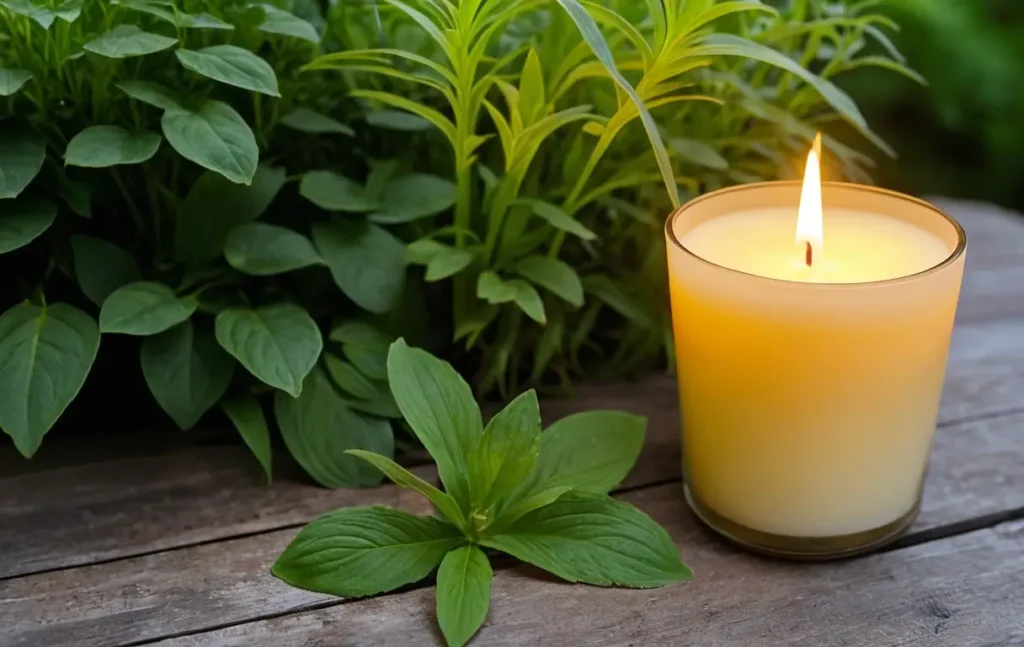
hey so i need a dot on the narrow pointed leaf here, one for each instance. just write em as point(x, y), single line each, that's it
point(402, 477)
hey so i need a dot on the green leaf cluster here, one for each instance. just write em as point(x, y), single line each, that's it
point(257, 198)
point(541, 497)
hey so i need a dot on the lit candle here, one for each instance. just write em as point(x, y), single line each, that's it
point(810, 367)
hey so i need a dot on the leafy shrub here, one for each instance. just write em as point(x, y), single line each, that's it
point(312, 153)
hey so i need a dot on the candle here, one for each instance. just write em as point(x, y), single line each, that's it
point(812, 328)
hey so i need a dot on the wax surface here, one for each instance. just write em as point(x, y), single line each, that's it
point(858, 246)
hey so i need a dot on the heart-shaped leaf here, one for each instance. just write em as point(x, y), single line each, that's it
point(103, 146)
point(214, 137)
point(43, 16)
point(22, 152)
point(125, 41)
point(278, 344)
point(152, 93)
point(12, 80)
point(101, 267)
point(264, 250)
point(45, 356)
point(144, 308)
point(22, 220)
point(317, 427)
point(232, 65)
point(365, 261)
point(333, 192)
point(186, 371)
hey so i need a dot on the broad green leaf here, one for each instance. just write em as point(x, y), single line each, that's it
point(364, 346)
point(558, 219)
point(45, 356)
point(144, 308)
point(22, 220)
point(441, 260)
point(397, 120)
point(529, 301)
point(463, 594)
point(447, 263)
point(264, 250)
point(595, 39)
point(411, 197)
point(231, 65)
point(443, 123)
point(69, 11)
point(365, 261)
point(153, 94)
point(383, 407)
point(214, 137)
point(283, 23)
point(278, 344)
point(12, 80)
point(506, 452)
point(696, 151)
point(214, 206)
point(22, 151)
point(591, 451)
point(307, 121)
point(439, 407)
point(333, 192)
point(103, 146)
point(402, 477)
point(553, 275)
point(350, 380)
point(247, 416)
point(186, 371)
point(101, 267)
point(41, 15)
point(594, 539)
point(125, 41)
point(318, 428)
point(355, 552)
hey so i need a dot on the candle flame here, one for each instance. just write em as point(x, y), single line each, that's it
point(808, 221)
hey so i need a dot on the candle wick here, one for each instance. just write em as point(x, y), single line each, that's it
point(809, 255)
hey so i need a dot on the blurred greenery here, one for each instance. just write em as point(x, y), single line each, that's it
point(963, 134)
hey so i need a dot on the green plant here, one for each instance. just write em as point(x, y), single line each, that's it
point(540, 497)
point(131, 185)
point(553, 254)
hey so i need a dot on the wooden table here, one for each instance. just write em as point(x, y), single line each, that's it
point(173, 548)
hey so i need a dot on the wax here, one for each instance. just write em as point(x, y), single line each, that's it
point(810, 394)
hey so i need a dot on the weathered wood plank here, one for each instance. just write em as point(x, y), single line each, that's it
point(137, 505)
point(962, 591)
point(975, 473)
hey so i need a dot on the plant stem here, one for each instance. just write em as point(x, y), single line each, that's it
point(140, 224)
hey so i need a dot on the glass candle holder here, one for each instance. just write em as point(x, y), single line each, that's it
point(809, 403)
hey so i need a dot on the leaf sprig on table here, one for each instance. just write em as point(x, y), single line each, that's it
point(541, 497)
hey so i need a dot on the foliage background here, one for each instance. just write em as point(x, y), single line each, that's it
point(483, 141)
point(962, 135)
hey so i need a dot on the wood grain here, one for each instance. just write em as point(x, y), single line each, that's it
point(975, 473)
point(962, 591)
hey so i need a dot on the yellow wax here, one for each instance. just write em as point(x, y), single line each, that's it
point(809, 403)
point(859, 246)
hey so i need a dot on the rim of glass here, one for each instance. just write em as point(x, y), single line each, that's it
point(957, 252)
